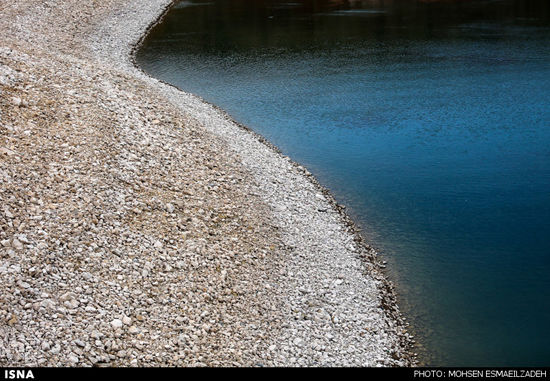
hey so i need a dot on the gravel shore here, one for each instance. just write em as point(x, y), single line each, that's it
point(142, 226)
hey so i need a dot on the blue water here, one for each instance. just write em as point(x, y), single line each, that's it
point(429, 121)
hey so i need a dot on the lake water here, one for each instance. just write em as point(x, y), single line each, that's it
point(429, 120)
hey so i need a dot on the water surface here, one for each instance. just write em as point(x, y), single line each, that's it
point(430, 120)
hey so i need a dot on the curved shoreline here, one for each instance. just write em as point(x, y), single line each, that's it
point(387, 289)
point(287, 278)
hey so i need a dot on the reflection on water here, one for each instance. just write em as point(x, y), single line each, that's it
point(430, 120)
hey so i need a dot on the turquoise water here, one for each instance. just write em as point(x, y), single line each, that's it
point(430, 121)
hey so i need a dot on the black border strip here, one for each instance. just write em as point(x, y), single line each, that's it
point(542, 373)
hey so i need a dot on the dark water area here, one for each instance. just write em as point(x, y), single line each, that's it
point(429, 120)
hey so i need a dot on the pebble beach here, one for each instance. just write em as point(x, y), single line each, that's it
point(142, 226)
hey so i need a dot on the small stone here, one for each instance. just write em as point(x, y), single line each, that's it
point(16, 244)
point(23, 238)
point(68, 296)
point(12, 321)
point(6, 151)
point(16, 101)
point(116, 323)
point(23, 284)
point(56, 349)
point(80, 343)
point(47, 303)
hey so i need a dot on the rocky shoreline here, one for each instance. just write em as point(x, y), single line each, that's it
point(141, 226)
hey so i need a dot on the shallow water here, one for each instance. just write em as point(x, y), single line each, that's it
point(429, 120)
